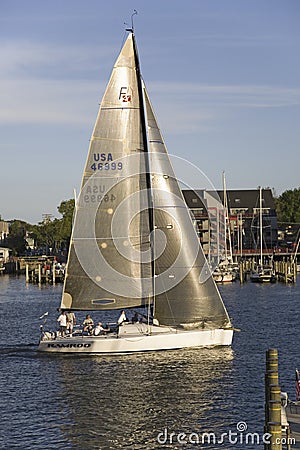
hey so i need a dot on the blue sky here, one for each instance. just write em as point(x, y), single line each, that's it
point(223, 77)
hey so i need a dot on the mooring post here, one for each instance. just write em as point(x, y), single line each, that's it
point(274, 428)
point(27, 273)
point(241, 273)
point(53, 272)
point(40, 274)
point(273, 401)
point(273, 394)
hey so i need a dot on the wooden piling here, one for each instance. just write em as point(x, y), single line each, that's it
point(272, 401)
point(241, 273)
point(27, 273)
point(272, 359)
point(274, 428)
point(53, 273)
point(286, 271)
point(40, 274)
point(274, 409)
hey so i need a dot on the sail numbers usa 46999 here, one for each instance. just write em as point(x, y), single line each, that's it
point(104, 161)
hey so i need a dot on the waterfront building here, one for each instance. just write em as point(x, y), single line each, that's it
point(4, 230)
point(243, 218)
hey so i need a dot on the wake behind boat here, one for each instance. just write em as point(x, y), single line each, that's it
point(133, 242)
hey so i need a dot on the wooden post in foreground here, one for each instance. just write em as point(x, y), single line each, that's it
point(273, 401)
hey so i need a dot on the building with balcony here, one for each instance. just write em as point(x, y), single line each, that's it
point(243, 218)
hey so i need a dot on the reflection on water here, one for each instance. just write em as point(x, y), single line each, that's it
point(126, 401)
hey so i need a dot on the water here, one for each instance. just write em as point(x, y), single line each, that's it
point(137, 401)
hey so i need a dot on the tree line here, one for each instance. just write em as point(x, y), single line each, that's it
point(288, 206)
point(55, 234)
point(48, 234)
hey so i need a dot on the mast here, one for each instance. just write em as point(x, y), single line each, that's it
point(147, 161)
point(260, 225)
point(240, 231)
point(227, 228)
point(225, 208)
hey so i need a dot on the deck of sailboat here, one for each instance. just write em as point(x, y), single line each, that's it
point(138, 338)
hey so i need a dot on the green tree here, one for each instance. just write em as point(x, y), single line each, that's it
point(66, 209)
point(288, 206)
point(16, 239)
point(47, 235)
point(55, 234)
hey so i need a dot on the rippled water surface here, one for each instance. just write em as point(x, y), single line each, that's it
point(138, 401)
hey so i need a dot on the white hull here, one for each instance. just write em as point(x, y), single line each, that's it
point(131, 338)
point(224, 277)
point(262, 277)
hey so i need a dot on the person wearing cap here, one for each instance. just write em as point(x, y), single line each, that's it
point(99, 329)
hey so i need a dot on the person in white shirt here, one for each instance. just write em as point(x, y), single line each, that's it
point(122, 318)
point(99, 329)
point(62, 320)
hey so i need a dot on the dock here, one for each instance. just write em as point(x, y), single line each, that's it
point(42, 275)
point(37, 270)
point(44, 272)
point(285, 270)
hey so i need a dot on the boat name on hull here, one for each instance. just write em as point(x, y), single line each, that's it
point(69, 345)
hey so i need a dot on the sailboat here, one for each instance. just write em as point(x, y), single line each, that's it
point(133, 242)
point(262, 273)
point(226, 271)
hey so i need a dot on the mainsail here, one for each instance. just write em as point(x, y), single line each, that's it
point(133, 240)
point(109, 263)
